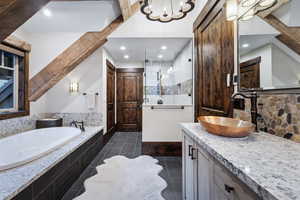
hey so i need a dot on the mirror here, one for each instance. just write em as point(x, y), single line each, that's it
point(269, 48)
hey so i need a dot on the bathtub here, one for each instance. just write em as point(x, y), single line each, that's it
point(25, 147)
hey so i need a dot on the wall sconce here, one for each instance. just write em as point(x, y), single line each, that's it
point(74, 87)
point(232, 10)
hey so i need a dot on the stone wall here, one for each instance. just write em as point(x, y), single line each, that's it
point(280, 115)
point(21, 124)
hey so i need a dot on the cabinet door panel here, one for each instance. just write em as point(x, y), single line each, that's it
point(204, 176)
point(189, 169)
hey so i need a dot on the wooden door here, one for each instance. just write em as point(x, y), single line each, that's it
point(214, 45)
point(250, 73)
point(129, 99)
point(110, 101)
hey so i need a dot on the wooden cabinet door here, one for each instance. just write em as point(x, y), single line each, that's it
point(129, 99)
point(214, 45)
point(188, 170)
point(110, 101)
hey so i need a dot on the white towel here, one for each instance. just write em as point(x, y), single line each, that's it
point(91, 101)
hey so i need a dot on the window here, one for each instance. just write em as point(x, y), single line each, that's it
point(8, 81)
point(13, 83)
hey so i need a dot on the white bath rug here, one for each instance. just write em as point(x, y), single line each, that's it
point(121, 178)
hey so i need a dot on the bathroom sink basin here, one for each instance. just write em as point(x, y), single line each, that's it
point(227, 127)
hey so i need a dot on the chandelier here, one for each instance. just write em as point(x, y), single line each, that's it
point(247, 9)
point(166, 10)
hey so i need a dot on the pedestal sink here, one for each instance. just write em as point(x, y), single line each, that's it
point(227, 127)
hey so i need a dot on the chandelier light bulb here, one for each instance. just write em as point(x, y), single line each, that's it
point(267, 3)
point(248, 3)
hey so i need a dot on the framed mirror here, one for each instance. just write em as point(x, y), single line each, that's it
point(269, 48)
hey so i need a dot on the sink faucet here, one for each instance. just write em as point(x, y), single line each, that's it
point(77, 124)
point(253, 98)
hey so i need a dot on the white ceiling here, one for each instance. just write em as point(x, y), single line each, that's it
point(73, 16)
point(136, 48)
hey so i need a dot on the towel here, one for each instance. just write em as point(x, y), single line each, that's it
point(91, 101)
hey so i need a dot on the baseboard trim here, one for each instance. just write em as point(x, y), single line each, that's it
point(108, 135)
point(162, 148)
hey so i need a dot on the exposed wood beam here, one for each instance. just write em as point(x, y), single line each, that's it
point(17, 43)
point(290, 32)
point(127, 9)
point(13, 13)
point(68, 60)
point(290, 43)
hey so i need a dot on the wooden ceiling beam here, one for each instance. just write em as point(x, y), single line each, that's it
point(13, 13)
point(127, 9)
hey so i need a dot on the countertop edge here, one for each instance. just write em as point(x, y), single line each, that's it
point(252, 184)
point(45, 169)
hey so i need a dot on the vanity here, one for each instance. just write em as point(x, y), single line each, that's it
point(260, 166)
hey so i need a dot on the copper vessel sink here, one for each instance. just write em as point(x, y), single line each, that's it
point(227, 127)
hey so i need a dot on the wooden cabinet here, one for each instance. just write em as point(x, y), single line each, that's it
point(214, 57)
point(204, 178)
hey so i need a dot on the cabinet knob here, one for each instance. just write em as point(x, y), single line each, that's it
point(228, 188)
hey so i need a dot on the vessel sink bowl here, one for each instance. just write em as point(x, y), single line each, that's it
point(227, 127)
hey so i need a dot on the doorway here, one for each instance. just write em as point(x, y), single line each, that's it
point(129, 99)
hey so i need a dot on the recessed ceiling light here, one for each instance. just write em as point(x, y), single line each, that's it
point(160, 56)
point(163, 47)
point(245, 45)
point(47, 12)
point(122, 48)
point(126, 56)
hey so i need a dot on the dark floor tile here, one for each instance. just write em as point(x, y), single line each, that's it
point(129, 144)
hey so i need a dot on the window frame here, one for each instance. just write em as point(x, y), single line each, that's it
point(15, 70)
point(17, 111)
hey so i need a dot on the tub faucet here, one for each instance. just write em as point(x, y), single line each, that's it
point(79, 125)
point(253, 97)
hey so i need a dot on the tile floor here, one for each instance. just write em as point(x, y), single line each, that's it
point(130, 145)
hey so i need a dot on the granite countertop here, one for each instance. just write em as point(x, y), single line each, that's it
point(14, 180)
point(268, 164)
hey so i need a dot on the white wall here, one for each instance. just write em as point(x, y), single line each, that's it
point(265, 66)
point(163, 125)
point(89, 76)
point(46, 46)
point(285, 69)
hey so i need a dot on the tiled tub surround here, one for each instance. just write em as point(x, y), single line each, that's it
point(268, 165)
point(51, 176)
point(21, 124)
point(280, 114)
point(185, 87)
point(90, 119)
point(17, 125)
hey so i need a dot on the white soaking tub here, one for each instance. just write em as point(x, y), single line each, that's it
point(25, 147)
